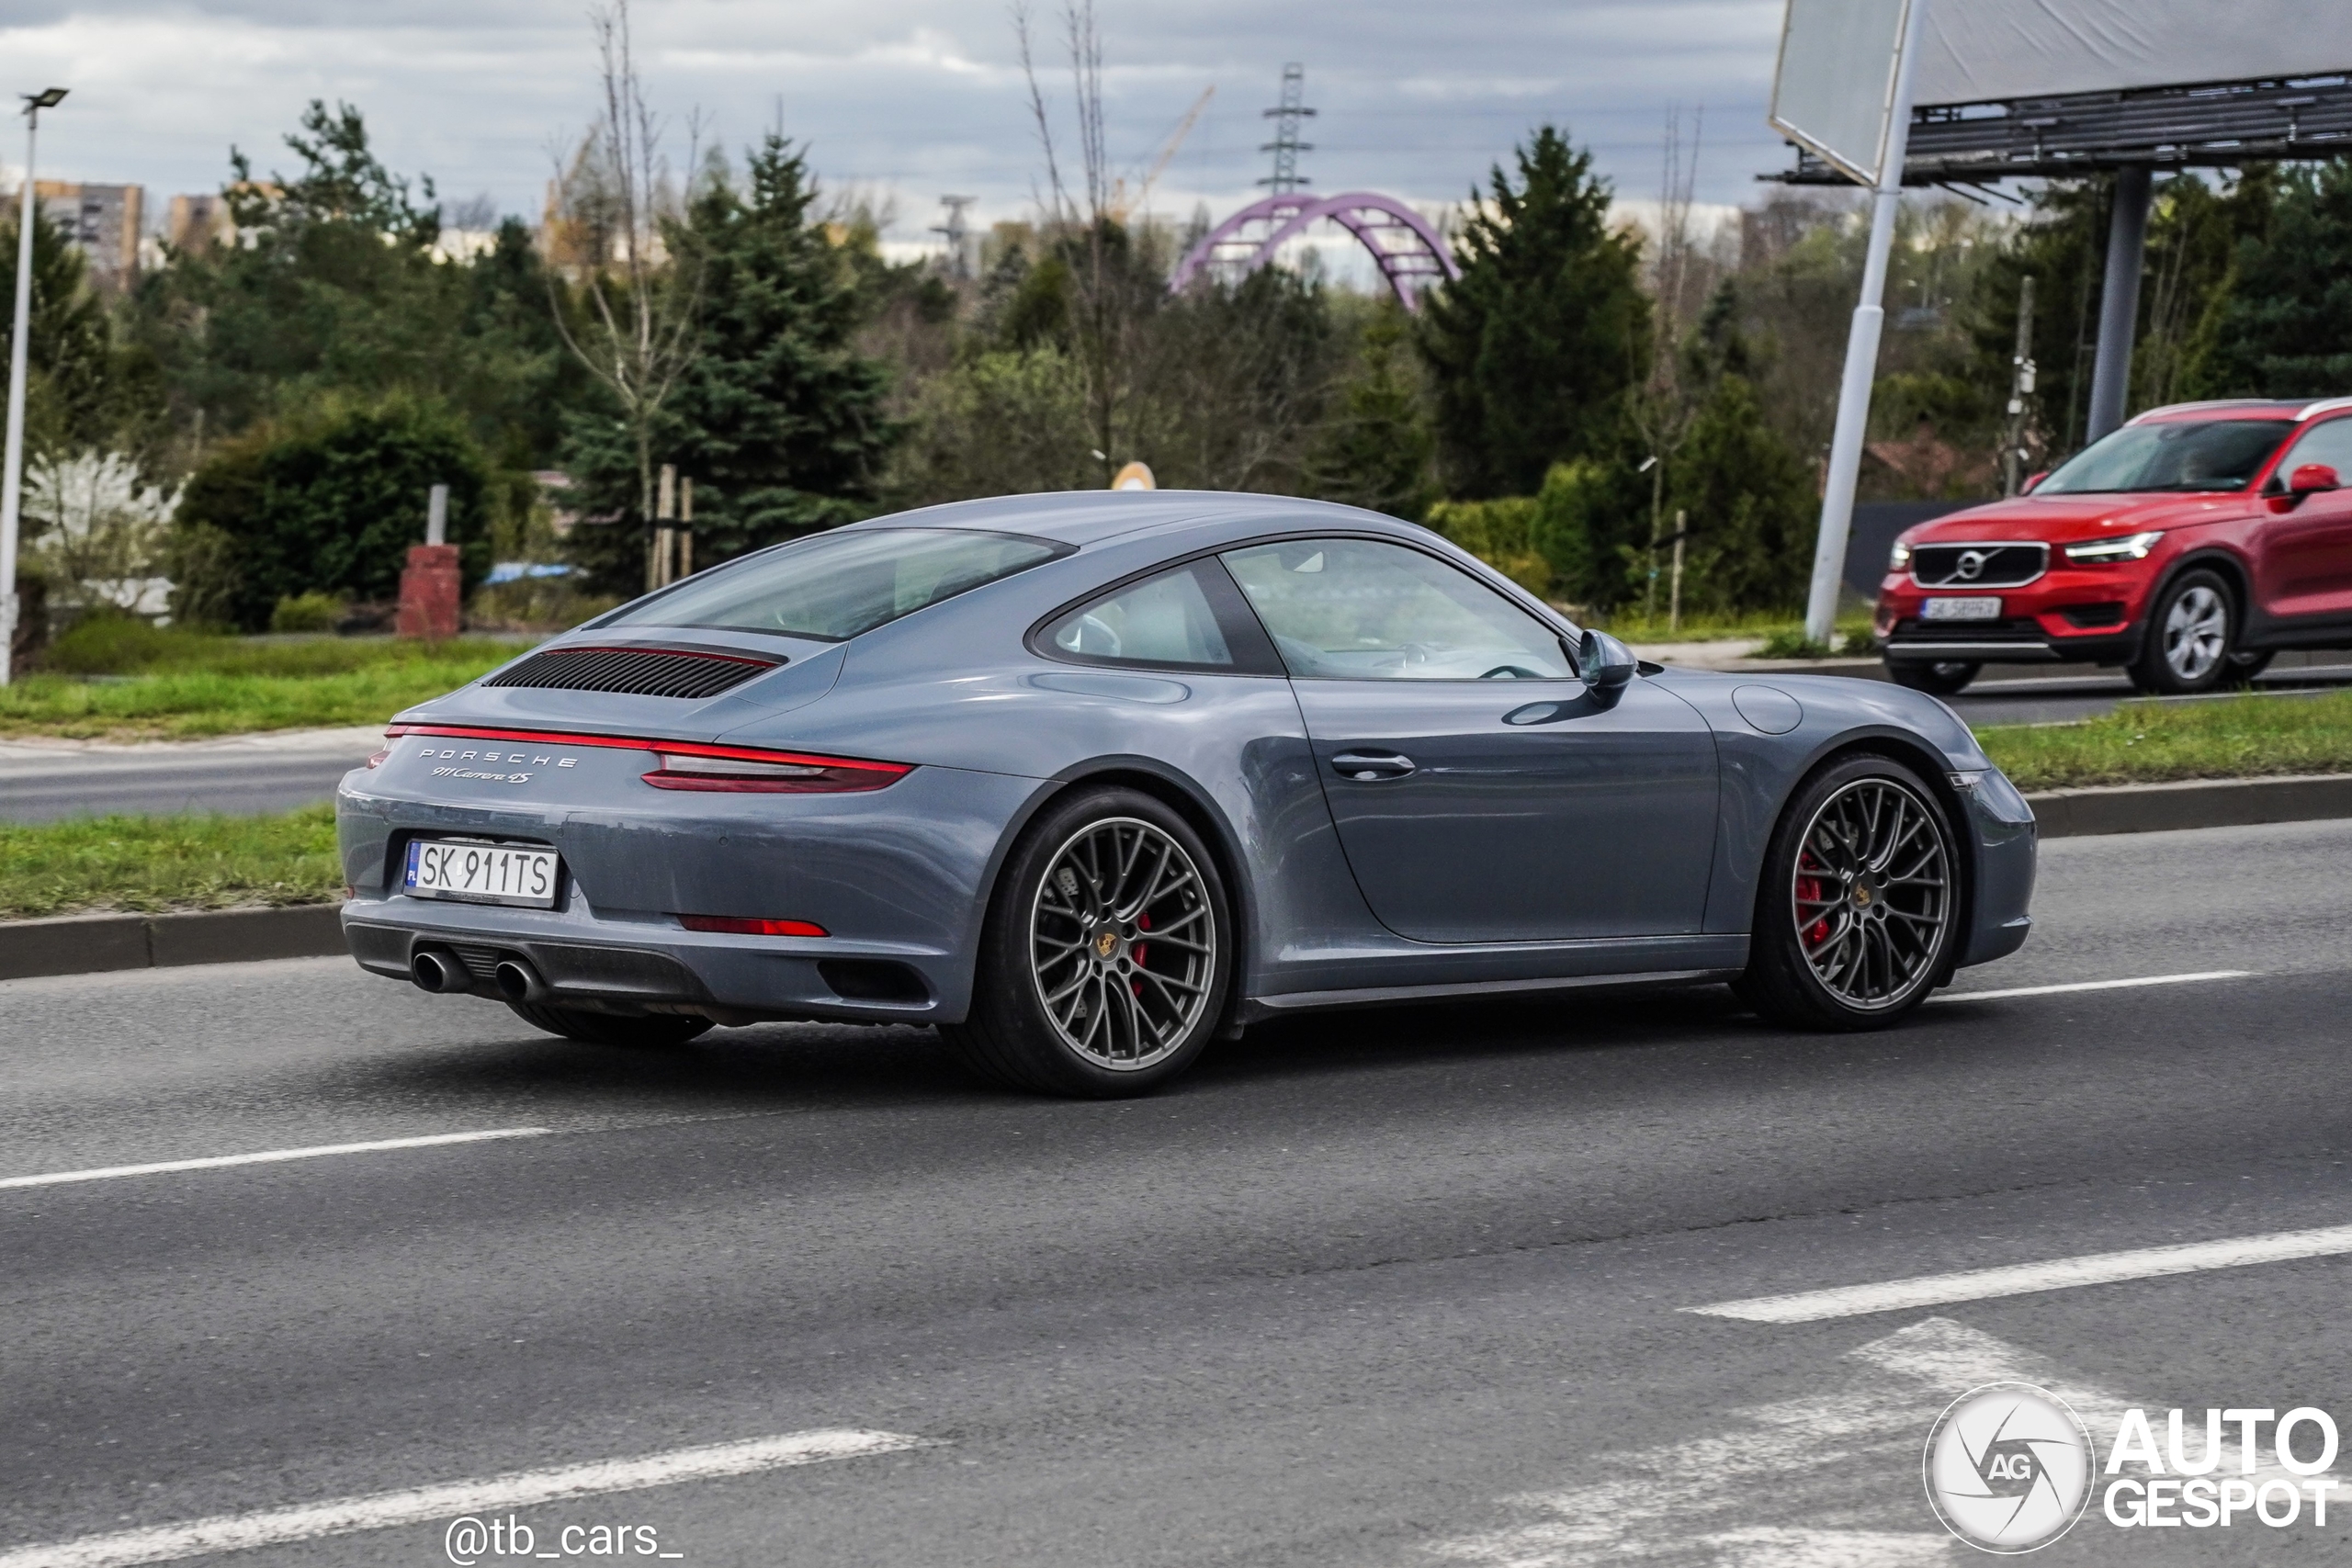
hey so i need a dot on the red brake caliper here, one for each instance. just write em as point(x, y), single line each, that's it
point(1808, 888)
point(1139, 949)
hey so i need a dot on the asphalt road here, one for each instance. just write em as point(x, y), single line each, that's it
point(42, 781)
point(1399, 1288)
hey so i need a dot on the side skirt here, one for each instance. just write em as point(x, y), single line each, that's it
point(1259, 1008)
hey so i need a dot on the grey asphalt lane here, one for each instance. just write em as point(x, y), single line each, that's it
point(241, 775)
point(1394, 1288)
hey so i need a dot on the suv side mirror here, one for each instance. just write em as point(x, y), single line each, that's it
point(2310, 479)
point(1606, 666)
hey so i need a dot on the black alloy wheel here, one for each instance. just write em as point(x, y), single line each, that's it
point(1107, 953)
point(650, 1032)
point(1858, 908)
point(2190, 637)
point(1937, 677)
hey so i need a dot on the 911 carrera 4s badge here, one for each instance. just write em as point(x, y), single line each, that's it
point(455, 759)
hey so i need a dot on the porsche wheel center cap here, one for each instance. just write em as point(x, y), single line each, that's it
point(1107, 942)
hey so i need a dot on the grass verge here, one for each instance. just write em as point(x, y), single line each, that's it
point(2230, 738)
point(168, 863)
point(120, 680)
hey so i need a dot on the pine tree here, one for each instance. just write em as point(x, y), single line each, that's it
point(1375, 450)
point(1531, 350)
point(2285, 330)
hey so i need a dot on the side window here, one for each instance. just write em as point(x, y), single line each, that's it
point(1361, 610)
point(2330, 444)
point(1189, 618)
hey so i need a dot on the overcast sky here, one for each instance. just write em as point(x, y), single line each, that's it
point(905, 99)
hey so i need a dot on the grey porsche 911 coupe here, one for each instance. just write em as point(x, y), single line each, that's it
point(1086, 780)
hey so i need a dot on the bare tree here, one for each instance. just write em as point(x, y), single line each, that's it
point(1661, 408)
point(614, 202)
point(1111, 290)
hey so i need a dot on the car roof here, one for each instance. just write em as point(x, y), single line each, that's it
point(1086, 517)
point(2297, 409)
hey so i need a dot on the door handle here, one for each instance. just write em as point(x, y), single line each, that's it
point(1372, 765)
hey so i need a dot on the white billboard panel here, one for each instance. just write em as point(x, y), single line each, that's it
point(1979, 50)
point(1836, 80)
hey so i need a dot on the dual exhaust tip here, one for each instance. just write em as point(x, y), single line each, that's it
point(438, 970)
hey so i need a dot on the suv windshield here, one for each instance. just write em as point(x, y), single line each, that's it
point(2179, 455)
point(836, 585)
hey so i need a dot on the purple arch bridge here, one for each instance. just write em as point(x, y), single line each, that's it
point(1410, 254)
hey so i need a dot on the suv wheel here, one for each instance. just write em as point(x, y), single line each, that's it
point(1859, 905)
point(1941, 677)
point(1107, 951)
point(2191, 633)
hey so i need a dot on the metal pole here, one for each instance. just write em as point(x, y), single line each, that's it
point(2118, 301)
point(11, 471)
point(436, 515)
point(1674, 602)
point(1861, 350)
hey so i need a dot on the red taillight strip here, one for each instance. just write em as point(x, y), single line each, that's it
point(738, 925)
point(635, 743)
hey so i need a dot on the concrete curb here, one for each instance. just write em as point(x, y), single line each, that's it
point(87, 945)
point(2193, 803)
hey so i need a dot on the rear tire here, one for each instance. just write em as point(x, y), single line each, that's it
point(1939, 677)
point(1107, 953)
point(1859, 907)
point(2190, 635)
point(2244, 667)
point(653, 1031)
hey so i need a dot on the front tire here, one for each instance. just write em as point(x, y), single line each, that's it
point(653, 1031)
point(1858, 908)
point(1107, 953)
point(2190, 639)
point(1939, 677)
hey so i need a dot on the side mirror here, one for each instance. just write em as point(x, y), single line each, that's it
point(2310, 479)
point(1606, 665)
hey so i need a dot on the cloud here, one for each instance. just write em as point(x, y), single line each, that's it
point(912, 98)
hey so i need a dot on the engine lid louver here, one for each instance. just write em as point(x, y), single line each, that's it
point(637, 671)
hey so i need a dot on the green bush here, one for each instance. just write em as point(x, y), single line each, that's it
point(1500, 533)
point(330, 501)
point(313, 612)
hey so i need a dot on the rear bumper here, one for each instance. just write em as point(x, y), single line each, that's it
point(898, 878)
point(730, 980)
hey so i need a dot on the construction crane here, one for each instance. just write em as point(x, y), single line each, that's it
point(1121, 203)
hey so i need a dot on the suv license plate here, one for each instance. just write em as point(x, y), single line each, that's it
point(1970, 609)
point(480, 874)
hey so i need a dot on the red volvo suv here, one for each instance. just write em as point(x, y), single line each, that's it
point(2189, 548)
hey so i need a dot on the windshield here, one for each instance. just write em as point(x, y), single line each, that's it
point(2181, 454)
point(835, 585)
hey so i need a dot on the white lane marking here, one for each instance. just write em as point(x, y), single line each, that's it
point(266, 1157)
point(455, 1499)
point(1823, 1480)
point(1826, 1480)
point(2091, 986)
point(2024, 1279)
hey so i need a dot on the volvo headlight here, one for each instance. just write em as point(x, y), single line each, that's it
point(2097, 552)
point(1900, 558)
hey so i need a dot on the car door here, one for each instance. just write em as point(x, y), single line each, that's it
point(1480, 792)
point(2303, 555)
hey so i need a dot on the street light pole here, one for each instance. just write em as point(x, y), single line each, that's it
point(12, 469)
